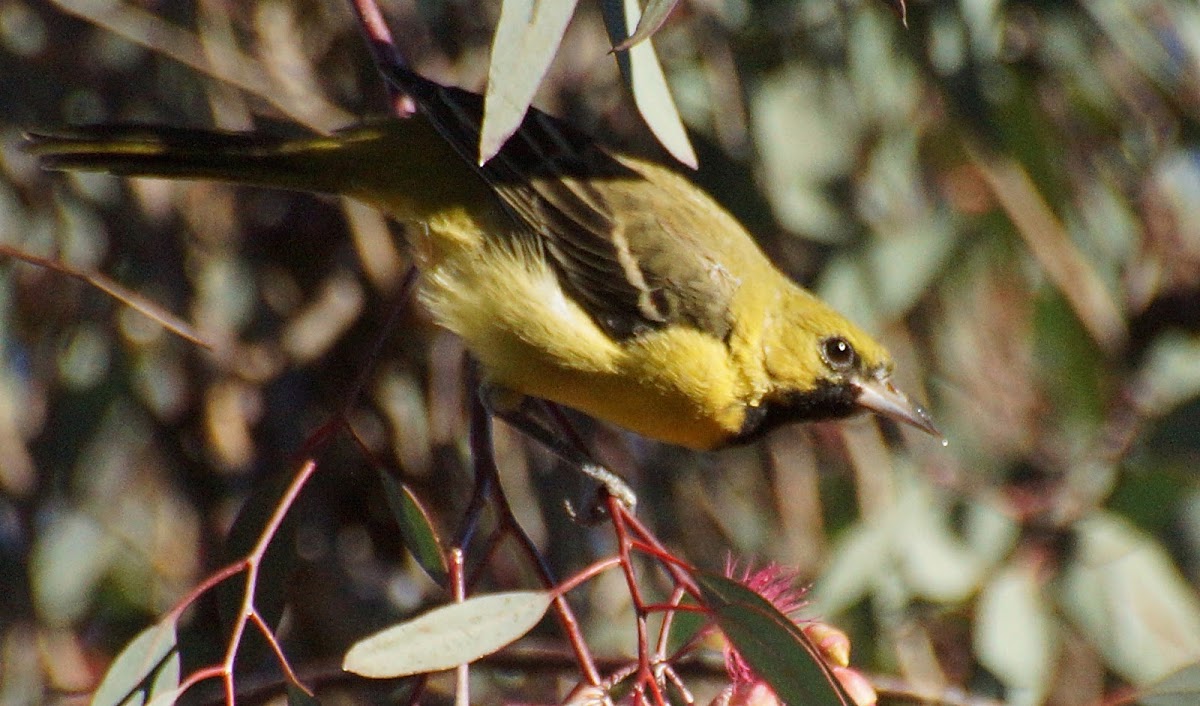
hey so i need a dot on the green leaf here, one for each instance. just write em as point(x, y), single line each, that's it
point(68, 561)
point(1128, 598)
point(1182, 688)
point(931, 558)
point(924, 249)
point(449, 636)
point(643, 75)
point(165, 687)
point(416, 529)
point(653, 18)
point(526, 40)
point(278, 561)
point(852, 567)
point(1015, 632)
point(901, 10)
point(1171, 373)
point(165, 698)
point(1069, 359)
point(145, 656)
point(298, 697)
point(686, 625)
point(774, 646)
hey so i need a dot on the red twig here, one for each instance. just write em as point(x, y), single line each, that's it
point(483, 458)
point(384, 51)
point(646, 678)
point(248, 613)
point(587, 574)
point(462, 689)
point(401, 300)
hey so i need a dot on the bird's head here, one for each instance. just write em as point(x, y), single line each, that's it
point(821, 366)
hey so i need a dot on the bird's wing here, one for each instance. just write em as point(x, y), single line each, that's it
point(560, 187)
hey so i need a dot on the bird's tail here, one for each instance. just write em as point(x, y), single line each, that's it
point(183, 153)
point(401, 166)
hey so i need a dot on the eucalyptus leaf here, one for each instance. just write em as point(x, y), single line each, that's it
point(145, 656)
point(1128, 598)
point(298, 697)
point(165, 687)
point(449, 636)
point(165, 698)
point(416, 528)
point(850, 572)
point(67, 563)
point(526, 40)
point(643, 75)
point(1015, 634)
point(1181, 688)
point(654, 16)
point(934, 561)
point(771, 643)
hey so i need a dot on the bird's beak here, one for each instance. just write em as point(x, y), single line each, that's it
point(877, 394)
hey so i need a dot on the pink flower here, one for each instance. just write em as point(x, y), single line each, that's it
point(777, 584)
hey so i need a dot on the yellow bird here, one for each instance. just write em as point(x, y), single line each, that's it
point(596, 280)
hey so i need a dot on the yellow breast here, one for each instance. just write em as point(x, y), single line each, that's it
point(673, 385)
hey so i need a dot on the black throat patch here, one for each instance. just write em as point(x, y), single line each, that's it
point(828, 400)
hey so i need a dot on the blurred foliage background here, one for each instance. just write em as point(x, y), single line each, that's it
point(1007, 192)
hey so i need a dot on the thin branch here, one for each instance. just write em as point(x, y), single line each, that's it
point(483, 458)
point(384, 51)
point(151, 31)
point(128, 297)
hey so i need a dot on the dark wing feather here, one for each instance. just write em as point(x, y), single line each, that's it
point(547, 177)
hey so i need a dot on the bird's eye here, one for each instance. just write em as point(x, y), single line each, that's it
point(838, 353)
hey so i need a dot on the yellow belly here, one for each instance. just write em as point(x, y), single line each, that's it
point(673, 386)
